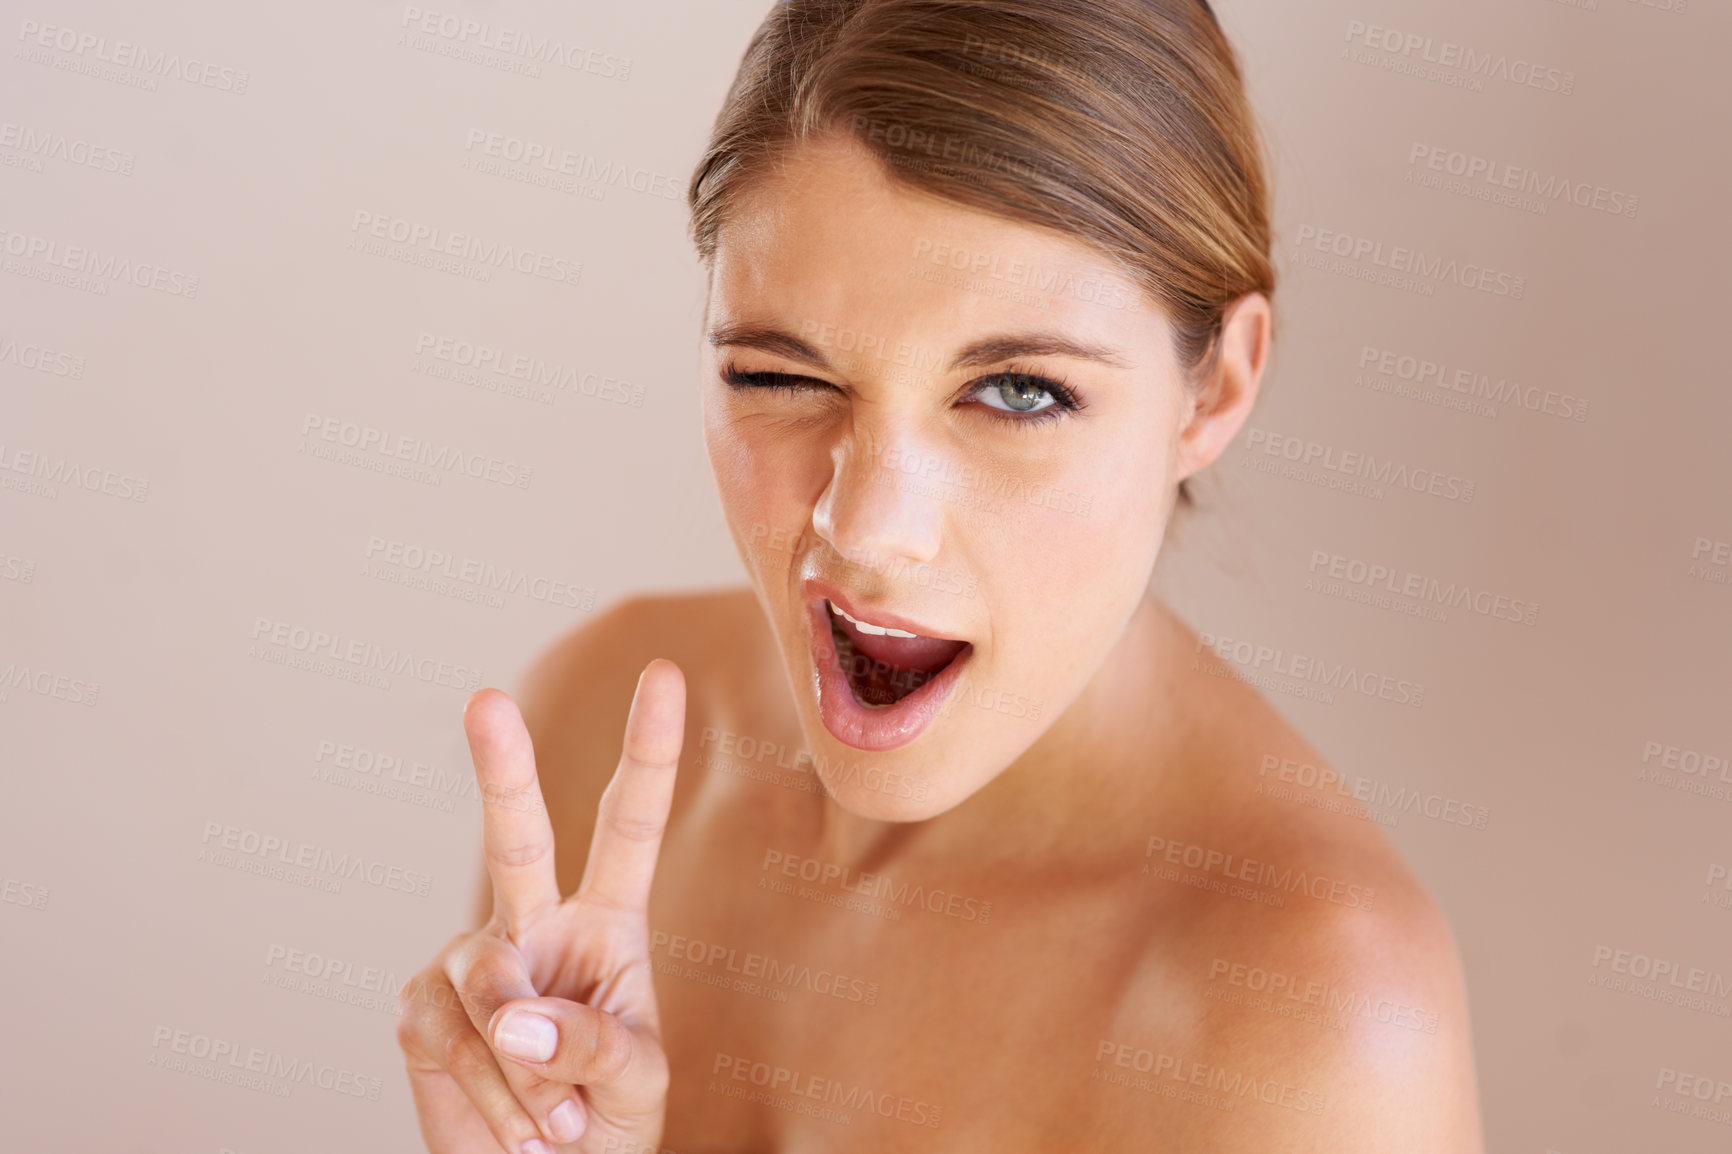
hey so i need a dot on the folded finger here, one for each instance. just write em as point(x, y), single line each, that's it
point(567, 1041)
point(440, 1042)
point(487, 971)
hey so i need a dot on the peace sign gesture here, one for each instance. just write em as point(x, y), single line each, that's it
point(541, 1027)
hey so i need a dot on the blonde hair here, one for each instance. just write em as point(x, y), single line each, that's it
point(1121, 123)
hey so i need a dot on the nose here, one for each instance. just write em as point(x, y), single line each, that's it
point(882, 502)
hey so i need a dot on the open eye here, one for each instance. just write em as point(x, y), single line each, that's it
point(1015, 393)
point(1020, 393)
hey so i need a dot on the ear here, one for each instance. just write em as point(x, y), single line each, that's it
point(1219, 404)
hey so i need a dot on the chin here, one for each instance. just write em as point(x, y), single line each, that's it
point(891, 788)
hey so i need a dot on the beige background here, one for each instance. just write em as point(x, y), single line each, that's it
point(148, 718)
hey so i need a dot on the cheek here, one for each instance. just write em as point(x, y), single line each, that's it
point(1070, 558)
point(1088, 520)
point(765, 479)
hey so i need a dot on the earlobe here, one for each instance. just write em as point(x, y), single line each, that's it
point(1221, 403)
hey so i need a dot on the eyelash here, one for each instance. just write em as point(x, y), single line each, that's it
point(1064, 400)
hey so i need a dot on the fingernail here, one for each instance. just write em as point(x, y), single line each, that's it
point(525, 1035)
point(535, 1146)
point(565, 1122)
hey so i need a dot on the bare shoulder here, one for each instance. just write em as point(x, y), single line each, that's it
point(576, 693)
point(1320, 986)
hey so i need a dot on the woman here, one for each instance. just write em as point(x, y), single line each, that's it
point(960, 839)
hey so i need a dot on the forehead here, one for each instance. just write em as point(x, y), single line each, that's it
point(827, 239)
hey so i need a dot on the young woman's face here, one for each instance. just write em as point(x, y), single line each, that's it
point(929, 420)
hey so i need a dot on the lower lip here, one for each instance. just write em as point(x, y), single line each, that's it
point(866, 727)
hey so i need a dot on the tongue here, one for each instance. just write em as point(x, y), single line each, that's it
point(917, 654)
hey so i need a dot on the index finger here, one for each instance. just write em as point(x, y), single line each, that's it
point(516, 835)
point(633, 812)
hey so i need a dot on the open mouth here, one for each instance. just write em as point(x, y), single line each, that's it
point(879, 683)
point(884, 664)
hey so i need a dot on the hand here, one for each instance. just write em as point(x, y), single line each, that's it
point(541, 1027)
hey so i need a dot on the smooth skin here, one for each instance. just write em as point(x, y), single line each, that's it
point(552, 993)
point(1061, 978)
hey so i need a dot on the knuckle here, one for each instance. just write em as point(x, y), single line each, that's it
point(410, 1029)
point(520, 798)
point(621, 823)
point(487, 976)
point(409, 999)
point(466, 1055)
point(610, 1049)
point(414, 1002)
point(521, 853)
point(635, 829)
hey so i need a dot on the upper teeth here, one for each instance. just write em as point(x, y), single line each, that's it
point(868, 627)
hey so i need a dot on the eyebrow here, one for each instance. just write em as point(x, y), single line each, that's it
point(988, 351)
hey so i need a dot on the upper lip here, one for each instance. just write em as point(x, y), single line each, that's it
point(866, 611)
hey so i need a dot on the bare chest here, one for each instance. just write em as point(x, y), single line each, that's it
point(810, 1008)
